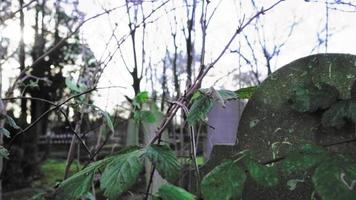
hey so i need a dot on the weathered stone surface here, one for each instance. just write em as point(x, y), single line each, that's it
point(270, 126)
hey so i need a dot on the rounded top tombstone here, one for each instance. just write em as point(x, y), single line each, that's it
point(288, 108)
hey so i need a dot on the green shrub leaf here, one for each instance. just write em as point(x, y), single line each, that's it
point(171, 192)
point(266, 176)
point(227, 94)
point(309, 97)
point(335, 180)
point(5, 132)
point(338, 114)
point(73, 86)
point(224, 182)
point(165, 160)
point(121, 173)
point(307, 156)
point(4, 153)
point(80, 183)
point(200, 108)
point(11, 122)
point(108, 121)
point(140, 98)
point(246, 93)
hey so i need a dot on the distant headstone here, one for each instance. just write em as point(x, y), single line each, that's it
point(132, 137)
point(223, 123)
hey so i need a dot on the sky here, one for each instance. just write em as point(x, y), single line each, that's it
point(310, 18)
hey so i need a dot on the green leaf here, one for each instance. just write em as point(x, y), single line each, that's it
point(40, 196)
point(224, 182)
point(11, 122)
point(165, 160)
point(107, 117)
point(266, 176)
point(227, 94)
point(338, 114)
point(4, 153)
point(108, 121)
point(304, 158)
point(195, 96)
point(310, 98)
point(335, 179)
point(73, 86)
point(140, 98)
point(33, 84)
point(148, 116)
point(246, 93)
point(5, 132)
point(200, 108)
point(171, 192)
point(220, 96)
point(121, 173)
point(89, 196)
point(80, 183)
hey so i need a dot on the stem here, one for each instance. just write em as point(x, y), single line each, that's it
point(45, 114)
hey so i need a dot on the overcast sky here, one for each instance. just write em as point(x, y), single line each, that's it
point(309, 15)
point(276, 25)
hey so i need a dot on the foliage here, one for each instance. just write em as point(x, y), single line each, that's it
point(335, 179)
point(305, 157)
point(141, 115)
point(108, 121)
point(226, 181)
point(79, 184)
point(106, 116)
point(5, 132)
point(339, 114)
point(140, 98)
point(121, 173)
point(266, 176)
point(200, 108)
point(203, 101)
point(171, 192)
point(165, 160)
point(11, 122)
point(310, 97)
point(73, 86)
point(246, 93)
point(4, 153)
point(145, 116)
point(330, 172)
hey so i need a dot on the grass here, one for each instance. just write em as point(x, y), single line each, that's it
point(53, 171)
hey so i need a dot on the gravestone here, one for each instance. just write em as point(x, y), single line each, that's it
point(271, 123)
point(223, 122)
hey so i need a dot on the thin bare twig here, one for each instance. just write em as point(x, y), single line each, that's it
point(45, 114)
point(54, 48)
point(11, 15)
point(172, 110)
